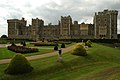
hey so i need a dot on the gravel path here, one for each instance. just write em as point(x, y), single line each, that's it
point(4, 45)
point(64, 50)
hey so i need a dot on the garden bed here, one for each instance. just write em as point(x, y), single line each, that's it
point(22, 49)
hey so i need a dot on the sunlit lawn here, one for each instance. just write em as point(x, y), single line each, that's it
point(102, 63)
point(5, 53)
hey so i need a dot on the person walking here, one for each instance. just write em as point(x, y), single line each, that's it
point(60, 55)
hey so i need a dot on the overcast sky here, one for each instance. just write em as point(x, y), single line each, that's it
point(51, 10)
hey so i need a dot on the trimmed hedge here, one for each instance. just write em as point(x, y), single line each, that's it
point(116, 44)
point(93, 40)
point(56, 47)
point(62, 45)
point(44, 44)
point(79, 50)
point(24, 44)
point(88, 43)
point(18, 65)
point(22, 49)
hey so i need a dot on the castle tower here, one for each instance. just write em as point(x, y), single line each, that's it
point(106, 24)
point(36, 30)
point(65, 27)
point(75, 30)
point(16, 28)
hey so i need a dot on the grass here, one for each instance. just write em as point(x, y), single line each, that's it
point(3, 41)
point(5, 53)
point(110, 45)
point(41, 51)
point(102, 63)
point(68, 45)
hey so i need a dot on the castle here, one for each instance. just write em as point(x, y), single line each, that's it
point(104, 27)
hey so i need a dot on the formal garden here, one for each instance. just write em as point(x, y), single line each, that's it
point(86, 61)
point(30, 48)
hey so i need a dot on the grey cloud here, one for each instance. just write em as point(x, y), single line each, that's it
point(53, 11)
point(6, 5)
point(28, 5)
point(80, 10)
point(12, 11)
point(15, 15)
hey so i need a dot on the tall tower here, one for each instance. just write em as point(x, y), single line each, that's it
point(106, 24)
point(75, 30)
point(15, 28)
point(65, 27)
point(36, 30)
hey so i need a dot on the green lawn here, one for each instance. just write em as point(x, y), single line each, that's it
point(4, 53)
point(102, 63)
point(68, 45)
point(3, 41)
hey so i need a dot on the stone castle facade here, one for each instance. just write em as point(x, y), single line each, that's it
point(104, 27)
point(105, 24)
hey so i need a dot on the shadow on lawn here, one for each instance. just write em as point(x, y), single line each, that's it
point(113, 45)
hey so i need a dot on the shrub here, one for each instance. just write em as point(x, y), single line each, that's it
point(56, 47)
point(13, 44)
point(24, 44)
point(44, 44)
point(3, 41)
point(21, 42)
point(62, 45)
point(116, 44)
point(79, 50)
point(18, 65)
point(22, 49)
point(88, 43)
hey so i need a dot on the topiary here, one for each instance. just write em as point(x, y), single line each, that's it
point(56, 47)
point(62, 45)
point(88, 43)
point(13, 44)
point(79, 50)
point(24, 44)
point(18, 65)
point(21, 43)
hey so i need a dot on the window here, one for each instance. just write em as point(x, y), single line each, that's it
point(105, 19)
